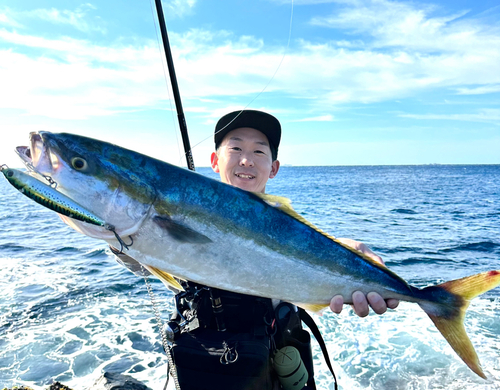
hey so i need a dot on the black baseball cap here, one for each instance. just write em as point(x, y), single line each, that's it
point(258, 120)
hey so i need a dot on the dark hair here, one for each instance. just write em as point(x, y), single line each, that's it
point(258, 120)
point(274, 152)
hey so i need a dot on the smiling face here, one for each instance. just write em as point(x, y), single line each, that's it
point(244, 160)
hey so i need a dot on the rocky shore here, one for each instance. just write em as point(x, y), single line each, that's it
point(107, 381)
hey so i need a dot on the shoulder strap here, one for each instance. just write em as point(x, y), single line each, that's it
point(308, 320)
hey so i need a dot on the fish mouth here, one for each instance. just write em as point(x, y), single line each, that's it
point(44, 159)
point(37, 154)
point(25, 153)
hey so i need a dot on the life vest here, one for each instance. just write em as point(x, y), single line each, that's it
point(224, 340)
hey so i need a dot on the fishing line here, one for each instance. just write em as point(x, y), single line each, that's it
point(166, 80)
point(164, 339)
point(265, 87)
point(32, 168)
point(188, 152)
point(171, 370)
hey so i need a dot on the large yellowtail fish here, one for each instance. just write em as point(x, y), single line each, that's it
point(179, 223)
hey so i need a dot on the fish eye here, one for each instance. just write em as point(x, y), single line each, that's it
point(79, 163)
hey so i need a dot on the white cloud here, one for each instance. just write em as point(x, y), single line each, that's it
point(429, 52)
point(408, 25)
point(74, 18)
point(304, 2)
point(322, 118)
point(484, 115)
point(70, 78)
point(7, 19)
point(74, 79)
point(179, 8)
point(479, 90)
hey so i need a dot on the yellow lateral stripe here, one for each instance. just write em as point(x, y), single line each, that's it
point(285, 205)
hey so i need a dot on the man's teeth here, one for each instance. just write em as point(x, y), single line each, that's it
point(243, 176)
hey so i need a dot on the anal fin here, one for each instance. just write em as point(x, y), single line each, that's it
point(167, 279)
point(314, 308)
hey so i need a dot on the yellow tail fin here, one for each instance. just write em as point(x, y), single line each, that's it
point(451, 323)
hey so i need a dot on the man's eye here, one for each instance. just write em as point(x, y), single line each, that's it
point(236, 148)
point(259, 151)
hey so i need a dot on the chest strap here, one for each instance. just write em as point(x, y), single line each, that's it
point(308, 320)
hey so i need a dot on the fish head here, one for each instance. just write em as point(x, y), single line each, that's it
point(105, 179)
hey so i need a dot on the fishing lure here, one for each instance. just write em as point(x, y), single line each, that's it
point(49, 197)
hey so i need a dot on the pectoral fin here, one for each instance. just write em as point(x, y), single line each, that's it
point(180, 232)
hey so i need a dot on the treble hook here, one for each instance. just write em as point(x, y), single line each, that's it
point(120, 240)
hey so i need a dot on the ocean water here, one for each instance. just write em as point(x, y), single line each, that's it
point(69, 312)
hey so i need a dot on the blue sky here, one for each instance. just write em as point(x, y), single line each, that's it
point(360, 82)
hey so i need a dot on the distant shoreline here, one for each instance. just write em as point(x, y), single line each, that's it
point(379, 165)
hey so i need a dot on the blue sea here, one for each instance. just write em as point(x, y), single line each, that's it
point(69, 312)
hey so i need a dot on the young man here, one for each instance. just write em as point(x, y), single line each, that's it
point(225, 340)
point(246, 156)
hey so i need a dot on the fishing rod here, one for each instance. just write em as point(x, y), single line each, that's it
point(190, 164)
point(175, 87)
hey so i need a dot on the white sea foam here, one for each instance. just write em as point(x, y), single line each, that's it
point(403, 350)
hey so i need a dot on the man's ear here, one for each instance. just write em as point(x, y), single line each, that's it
point(215, 162)
point(275, 167)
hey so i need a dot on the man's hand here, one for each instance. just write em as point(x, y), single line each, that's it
point(361, 303)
